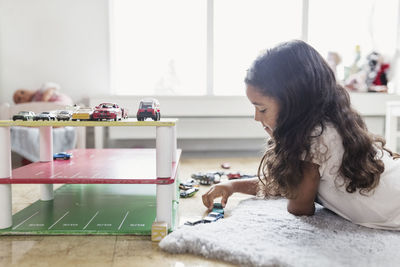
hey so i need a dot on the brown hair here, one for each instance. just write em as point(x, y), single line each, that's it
point(298, 77)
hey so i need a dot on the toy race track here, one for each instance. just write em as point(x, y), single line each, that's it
point(107, 191)
point(68, 210)
point(94, 166)
point(90, 210)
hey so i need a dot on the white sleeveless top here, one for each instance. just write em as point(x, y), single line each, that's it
point(380, 208)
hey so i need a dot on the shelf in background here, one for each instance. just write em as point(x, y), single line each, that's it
point(95, 166)
point(125, 122)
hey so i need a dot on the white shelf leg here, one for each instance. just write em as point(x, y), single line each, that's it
point(174, 143)
point(81, 141)
point(5, 172)
point(99, 137)
point(165, 193)
point(164, 203)
point(46, 154)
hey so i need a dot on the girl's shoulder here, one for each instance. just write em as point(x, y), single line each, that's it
point(325, 141)
point(325, 134)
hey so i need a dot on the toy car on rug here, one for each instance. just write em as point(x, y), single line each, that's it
point(213, 217)
point(149, 108)
point(216, 214)
point(109, 111)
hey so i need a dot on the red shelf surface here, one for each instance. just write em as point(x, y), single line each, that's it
point(95, 166)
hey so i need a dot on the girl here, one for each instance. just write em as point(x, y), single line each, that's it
point(320, 148)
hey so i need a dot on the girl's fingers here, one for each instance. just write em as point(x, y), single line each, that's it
point(206, 198)
point(224, 200)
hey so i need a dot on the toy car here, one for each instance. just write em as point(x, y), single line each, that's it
point(225, 165)
point(109, 111)
point(45, 116)
point(216, 214)
point(239, 175)
point(213, 216)
point(82, 114)
point(62, 155)
point(189, 192)
point(24, 115)
point(217, 207)
point(194, 223)
point(208, 178)
point(149, 108)
point(64, 115)
point(189, 184)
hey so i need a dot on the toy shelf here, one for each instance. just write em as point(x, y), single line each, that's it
point(95, 166)
point(125, 122)
point(92, 166)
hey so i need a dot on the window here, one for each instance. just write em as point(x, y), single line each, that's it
point(341, 25)
point(242, 29)
point(158, 47)
point(199, 47)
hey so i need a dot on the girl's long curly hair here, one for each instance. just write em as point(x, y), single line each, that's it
point(298, 77)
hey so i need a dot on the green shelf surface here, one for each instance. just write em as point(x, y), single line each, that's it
point(91, 209)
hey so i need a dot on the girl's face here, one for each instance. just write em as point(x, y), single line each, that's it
point(266, 108)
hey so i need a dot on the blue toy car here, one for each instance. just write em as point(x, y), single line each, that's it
point(213, 216)
point(218, 208)
point(62, 155)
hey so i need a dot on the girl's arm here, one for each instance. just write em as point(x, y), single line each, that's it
point(226, 189)
point(303, 203)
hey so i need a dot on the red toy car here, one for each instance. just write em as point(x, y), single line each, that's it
point(109, 111)
point(239, 175)
point(149, 108)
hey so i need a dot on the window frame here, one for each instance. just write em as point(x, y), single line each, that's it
point(210, 45)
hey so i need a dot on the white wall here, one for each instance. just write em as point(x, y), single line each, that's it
point(63, 41)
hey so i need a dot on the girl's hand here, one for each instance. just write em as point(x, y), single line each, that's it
point(224, 190)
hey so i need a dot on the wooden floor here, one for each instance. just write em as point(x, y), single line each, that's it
point(115, 250)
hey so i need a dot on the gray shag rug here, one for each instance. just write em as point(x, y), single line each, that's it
point(262, 233)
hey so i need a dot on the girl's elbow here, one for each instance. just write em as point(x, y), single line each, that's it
point(309, 211)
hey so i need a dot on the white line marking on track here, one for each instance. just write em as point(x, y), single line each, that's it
point(55, 175)
point(76, 174)
point(58, 220)
point(123, 220)
point(90, 220)
point(25, 220)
